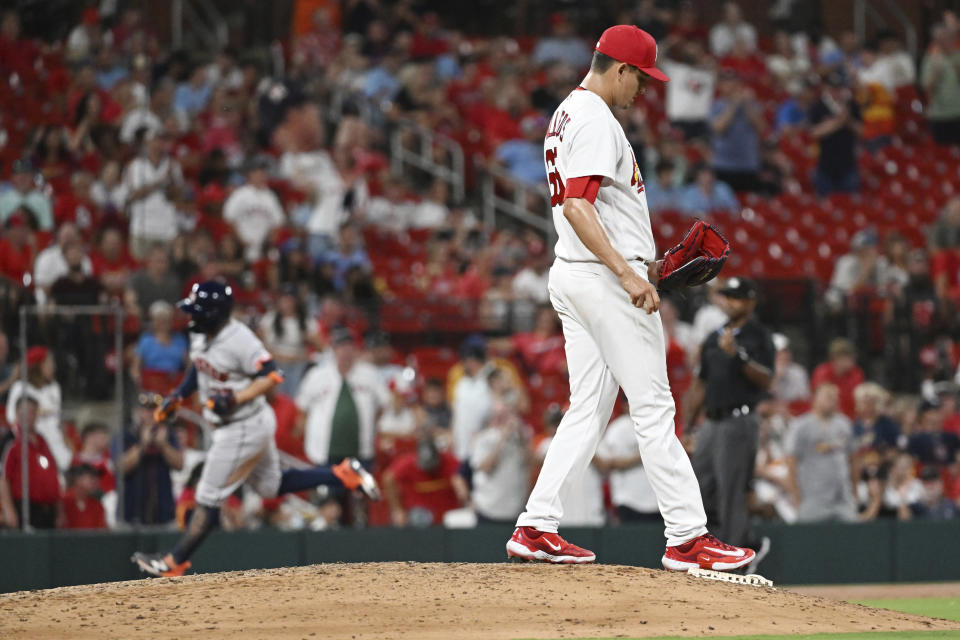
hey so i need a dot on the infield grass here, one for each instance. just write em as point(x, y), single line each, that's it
point(947, 608)
point(868, 635)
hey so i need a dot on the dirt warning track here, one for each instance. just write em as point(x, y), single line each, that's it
point(432, 601)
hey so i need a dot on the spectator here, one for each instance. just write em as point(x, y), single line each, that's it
point(707, 194)
point(929, 443)
point(147, 452)
point(619, 456)
point(109, 72)
point(95, 452)
point(836, 124)
point(820, 446)
point(51, 264)
point(350, 254)
point(77, 286)
point(43, 387)
point(904, 491)
point(895, 267)
point(433, 211)
point(711, 315)
point(111, 262)
point(17, 250)
point(788, 63)
point(793, 114)
point(109, 192)
point(153, 282)
point(940, 78)
point(842, 371)
point(421, 486)
point(690, 91)
point(531, 282)
point(523, 157)
point(435, 412)
point(147, 119)
point(790, 380)
point(663, 194)
point(151, 180)
point(191, 96)
point(858, 271)
point(737, 123)
point(45, 509)
point(500, 457)
point(159, 349)
point(254, 210)
point(772, 490)
point(289, 337)
point(934, 505)
point(399, 418)
point(470, 396)
point(26, 196)
point(85, 38)
point(945, 232)
point(82, 508)
point(339, 400)
point(892, 67)
point(732, 29)
point(541, 350)
point(872, 427)
point(562, 46)
point(9, 369)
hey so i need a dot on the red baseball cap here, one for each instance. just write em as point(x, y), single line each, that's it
point(36, 355)
point(630, 44)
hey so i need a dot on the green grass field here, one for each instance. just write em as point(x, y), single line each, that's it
point(948, 608)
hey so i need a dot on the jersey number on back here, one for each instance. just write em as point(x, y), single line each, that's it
point(557, 190)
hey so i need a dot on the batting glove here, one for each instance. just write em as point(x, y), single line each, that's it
point(168, 408)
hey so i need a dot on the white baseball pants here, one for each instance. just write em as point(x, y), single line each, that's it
point(241, 451)
point(612, 344)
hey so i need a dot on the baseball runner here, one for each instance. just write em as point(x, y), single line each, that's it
point(603, 285)
point(232, 371)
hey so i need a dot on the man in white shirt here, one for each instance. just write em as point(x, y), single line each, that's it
point(50, 264)
point(339, 400)
point(500, 458)
point(153, 218)
point(471, 400)
point(254, 209)
point(689, 96)
point(630, 490)
point(732, 29)
point(531, 282)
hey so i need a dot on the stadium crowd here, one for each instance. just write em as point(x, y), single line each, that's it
point(133, 171)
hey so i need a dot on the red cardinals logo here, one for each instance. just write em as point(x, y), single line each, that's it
point(636, 180)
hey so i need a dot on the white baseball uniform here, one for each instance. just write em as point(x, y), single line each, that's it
point(609, 342)
point(243, 447)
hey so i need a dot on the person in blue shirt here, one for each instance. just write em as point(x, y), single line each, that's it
point(706, 194)
point(523, 157)
point(792, 114)
point(662, 195)
point(192, 96)
point(159, 348)
point(349, 255)
point(737, 122)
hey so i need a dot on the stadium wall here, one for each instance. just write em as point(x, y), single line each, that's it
point(801, 554)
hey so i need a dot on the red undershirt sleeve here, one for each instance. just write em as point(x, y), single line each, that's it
point(585, 187)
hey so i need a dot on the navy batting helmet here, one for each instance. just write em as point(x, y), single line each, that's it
point(208, 305)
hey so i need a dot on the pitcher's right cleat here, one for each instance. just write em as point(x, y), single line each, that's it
point(353, 476)
point(706, 552)
point(159, 565)
point(528, 543)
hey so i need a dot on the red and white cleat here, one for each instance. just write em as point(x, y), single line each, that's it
point(706, 552)
point(530, 544)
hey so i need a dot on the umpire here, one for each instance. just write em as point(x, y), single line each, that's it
point(736, 368)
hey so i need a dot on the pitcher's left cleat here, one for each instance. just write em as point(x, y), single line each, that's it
point(706, 552)
point(159, 565)
point(353, 476)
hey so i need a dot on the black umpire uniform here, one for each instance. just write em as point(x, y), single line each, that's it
point(736, 367)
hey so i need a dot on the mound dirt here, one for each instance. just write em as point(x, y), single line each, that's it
point(432, 601)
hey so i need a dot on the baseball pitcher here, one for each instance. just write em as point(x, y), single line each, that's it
point(603, 285)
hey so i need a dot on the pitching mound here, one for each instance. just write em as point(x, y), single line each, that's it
point(432, 601)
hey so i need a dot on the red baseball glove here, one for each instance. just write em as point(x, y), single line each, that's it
point(697, 259)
